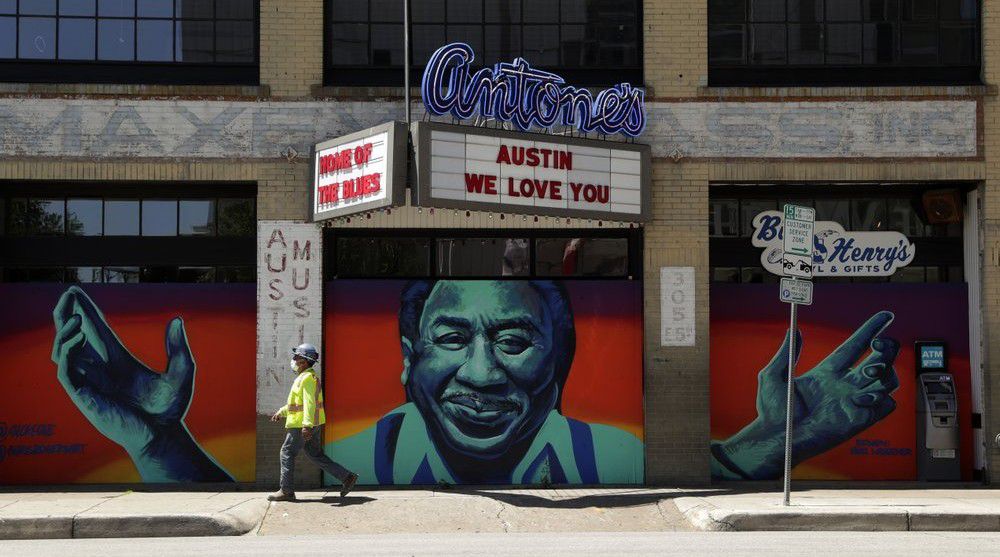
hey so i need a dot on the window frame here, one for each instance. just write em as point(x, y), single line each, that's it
point(897, 73)
point(369, 75)
point(136, 71)
point(633, 236)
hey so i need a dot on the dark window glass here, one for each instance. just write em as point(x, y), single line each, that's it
point(121, 274)
point(115, 39)
point(121, 217)
point(159, 217)
point(33, 274)
point(234, 9)
point(599, 36)
point(37, 217)
point(349, 43)
point(750, 208)
point(234, 41)
point(482, 257)
point(503, 11)
point(903, 218)
point(84, 217)
point(843, 43)
point(236, 274)
point(78, 7)
point(38, 7)
point(84, 274)
point(840, 42)
point(197, 217)
point(868, 215)
point(383, 257)
point(936, 274)
point(767, 43)
point(726, 44)
point(8, 37)
point(752, 275)
point(728, 11)
point(156, 40)
point(116, 8)
point(237, 217)
point(806, 11)
point(193, 41)
point(465, 12)
point(195, 9)
point(77, 39)
point(910, 273)
point(196, 274)
point(581, 257)
point(725, 274)
point(154, 8)
point(36, 38)
point(836, 210)
point(426, 39)
point(805, 44)
point(724, 217)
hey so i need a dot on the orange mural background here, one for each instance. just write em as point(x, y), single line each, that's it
point(220, 322)
point(364, 362)
point(748, 323)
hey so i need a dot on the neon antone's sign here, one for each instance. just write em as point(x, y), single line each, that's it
point(528, 97)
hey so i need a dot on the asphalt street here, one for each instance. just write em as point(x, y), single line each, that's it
point(549, 544)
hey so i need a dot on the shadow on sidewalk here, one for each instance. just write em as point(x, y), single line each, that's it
point(611, 500)
point(338, 501)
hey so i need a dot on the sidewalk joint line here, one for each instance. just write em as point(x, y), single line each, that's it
point(72, 531)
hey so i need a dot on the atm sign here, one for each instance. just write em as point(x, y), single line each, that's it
point(932, 357)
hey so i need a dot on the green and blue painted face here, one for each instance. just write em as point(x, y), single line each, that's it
point(482, 371)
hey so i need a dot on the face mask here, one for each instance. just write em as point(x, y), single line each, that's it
point(294, 365)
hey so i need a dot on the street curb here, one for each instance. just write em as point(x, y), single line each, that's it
point(235, 521)
point(706, 516)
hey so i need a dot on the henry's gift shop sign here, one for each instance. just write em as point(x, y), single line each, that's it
point(504, 171)
point(359, 172)
point(836, 252)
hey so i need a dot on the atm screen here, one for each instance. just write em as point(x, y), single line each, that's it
point(940, 405)
point(936, 388)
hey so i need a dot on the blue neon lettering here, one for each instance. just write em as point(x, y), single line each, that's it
point(528, 97)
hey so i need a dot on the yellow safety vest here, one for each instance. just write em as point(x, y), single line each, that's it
point(305, 402)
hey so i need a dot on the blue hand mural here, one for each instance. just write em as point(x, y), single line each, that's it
point(832, 402)
point(136, 407)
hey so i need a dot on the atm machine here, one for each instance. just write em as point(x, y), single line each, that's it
point(937, 415)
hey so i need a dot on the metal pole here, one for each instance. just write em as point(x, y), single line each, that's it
point(406, 59)
point(792, 327)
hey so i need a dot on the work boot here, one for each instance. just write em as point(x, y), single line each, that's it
point(348, 484)
point(281, 495)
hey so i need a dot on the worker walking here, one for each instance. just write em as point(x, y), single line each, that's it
point(303, 416)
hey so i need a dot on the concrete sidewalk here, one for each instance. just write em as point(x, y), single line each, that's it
point(128, 514)
point(971, 510)
point(81, 514)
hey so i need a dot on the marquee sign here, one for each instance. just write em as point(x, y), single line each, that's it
point(359, 172)
point(836, 252)
point(528, 97)
point(497, 170)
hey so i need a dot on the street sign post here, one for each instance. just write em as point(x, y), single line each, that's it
point(798, 292)
point(798, 230)
point(799, 223)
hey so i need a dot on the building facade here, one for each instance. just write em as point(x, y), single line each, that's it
point(162, 246)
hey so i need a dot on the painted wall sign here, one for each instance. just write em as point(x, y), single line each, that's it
point(528, 97)
point(836, 252)
point(359, 172)
point(677, 306)
point(497, 170)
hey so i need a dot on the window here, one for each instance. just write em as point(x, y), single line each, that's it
point(129, 41)
point(127, 233)
point(580, 254)
point(589, 42)
point(843, 42)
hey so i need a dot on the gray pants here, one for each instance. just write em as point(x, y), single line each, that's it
point(294, 442)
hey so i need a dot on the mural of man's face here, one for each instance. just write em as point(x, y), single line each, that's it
point(482, 371)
